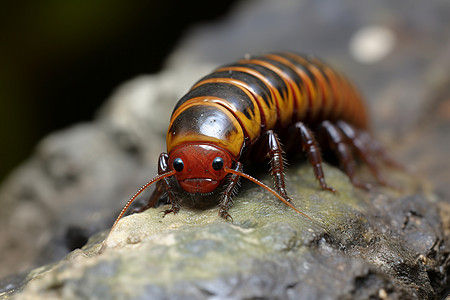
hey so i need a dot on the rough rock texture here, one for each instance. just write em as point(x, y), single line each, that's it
point(351, 250)
point(385, 244)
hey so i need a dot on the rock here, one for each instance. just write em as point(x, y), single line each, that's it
point(75, 183)
point(351, 250)
point(71, 175)
point(383, 244)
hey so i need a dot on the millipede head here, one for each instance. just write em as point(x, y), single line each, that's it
point(199, 168)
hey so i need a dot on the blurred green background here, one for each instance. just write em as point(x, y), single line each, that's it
point(59, 60)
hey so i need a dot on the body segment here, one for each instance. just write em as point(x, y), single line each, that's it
point(271, 92)
point(243, 105)
point(251, 102)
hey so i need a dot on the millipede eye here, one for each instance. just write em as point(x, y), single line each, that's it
point(178, 164)
point(217, 163)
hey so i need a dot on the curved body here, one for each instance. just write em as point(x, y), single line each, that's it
point(234, 105)
point(244, 106)
point(253, 100)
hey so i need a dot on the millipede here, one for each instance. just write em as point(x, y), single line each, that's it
point(241, 111)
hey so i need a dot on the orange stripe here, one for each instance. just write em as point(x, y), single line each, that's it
point(285, 103)
point(334, 91)
point(232, 143)
point(301, 97)
point(252, 125)
point(272, 111)
point(313, 87)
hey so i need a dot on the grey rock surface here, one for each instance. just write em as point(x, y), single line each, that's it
point(352, 250)
point(381, 244)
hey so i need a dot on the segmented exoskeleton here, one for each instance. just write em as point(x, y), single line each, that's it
point(231, 114)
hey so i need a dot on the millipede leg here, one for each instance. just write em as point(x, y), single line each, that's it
point(164, 185)
point(363, 149)
point(277, 163)
point(153, 199)
point(309, 145)
point(343, 151)
point(377, 149)
point(175, 206)
point(161, 186)
point(226, 200)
